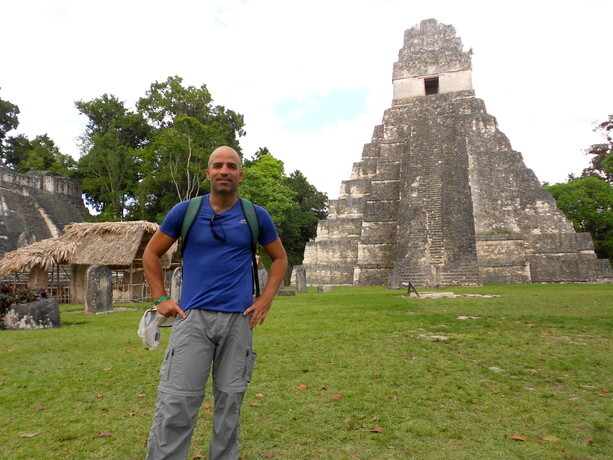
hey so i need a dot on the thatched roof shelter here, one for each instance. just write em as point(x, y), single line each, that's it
point(45, 253)
point(115, 244)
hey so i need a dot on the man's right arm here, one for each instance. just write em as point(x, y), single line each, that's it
point(159, 244)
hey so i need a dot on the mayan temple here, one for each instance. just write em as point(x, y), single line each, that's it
point(36, 206)
point(439, 196)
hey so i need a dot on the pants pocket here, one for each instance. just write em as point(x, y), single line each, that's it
point(249, 364)
point(167, 365)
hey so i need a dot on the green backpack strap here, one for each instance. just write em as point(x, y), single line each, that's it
point(252, 220)
point(193, 208)
point(254, 227)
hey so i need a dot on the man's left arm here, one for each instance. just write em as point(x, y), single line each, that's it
point(261, 305)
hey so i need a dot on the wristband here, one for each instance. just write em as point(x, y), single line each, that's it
point(160, 300)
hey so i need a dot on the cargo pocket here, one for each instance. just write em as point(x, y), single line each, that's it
point(167, 365)
point(249, 365)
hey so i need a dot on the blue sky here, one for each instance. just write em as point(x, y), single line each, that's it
point(311, 115)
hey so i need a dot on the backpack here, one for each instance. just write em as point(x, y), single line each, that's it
point(252, 219)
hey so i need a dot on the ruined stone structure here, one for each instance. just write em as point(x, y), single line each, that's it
point(439, 196)
point(36, 206)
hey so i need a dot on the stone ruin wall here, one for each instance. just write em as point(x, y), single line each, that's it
point(36, 206)
point(440, 197)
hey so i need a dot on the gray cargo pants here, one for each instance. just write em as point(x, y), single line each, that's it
point(202, 339)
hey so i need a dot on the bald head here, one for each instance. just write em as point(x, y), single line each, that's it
point(226, 152)
point(224, 172)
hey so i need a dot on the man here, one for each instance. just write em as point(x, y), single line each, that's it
point(215, 316)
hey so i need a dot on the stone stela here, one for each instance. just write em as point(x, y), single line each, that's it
point(439, 196)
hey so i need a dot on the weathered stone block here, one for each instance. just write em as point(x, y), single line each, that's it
point(500, 253)
point(370, 276)
point(98, 289)
point(42, 314)
point(378, 232)
point(176, 284)
point(385, 189)
point(584, 242)
point(354, 188)
point(381, 210)
point(301, 281)
point(388, 170)
point(553, 268)
point(262, 278)
point(339, 275)
point(507, 274)
point(381, 254)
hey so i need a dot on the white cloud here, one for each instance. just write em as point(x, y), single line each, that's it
point(542, 68)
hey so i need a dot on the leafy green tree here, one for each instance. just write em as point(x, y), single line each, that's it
point(588, 203)
point(108, 175)
point(165, 101)
point(8, 121)
point(174, 166)
point(312, 206)
point(107, 113)
point(22, 154)
point(187, 127)
point(601, 164)
point(109, 165)
point(40, 154)
point(8, 118)
point(44, 155)
point(264, 184)
point(294, 204)
point(15, 152)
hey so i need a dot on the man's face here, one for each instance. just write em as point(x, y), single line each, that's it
point(224, 171)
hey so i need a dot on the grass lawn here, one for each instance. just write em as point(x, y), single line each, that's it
point(359, 373)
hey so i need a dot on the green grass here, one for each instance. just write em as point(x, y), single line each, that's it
point(386, 377)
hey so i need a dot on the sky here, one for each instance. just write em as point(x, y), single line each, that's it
point(312, 79)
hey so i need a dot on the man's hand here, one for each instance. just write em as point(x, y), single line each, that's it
point(262, 304)
point(260, 309)
point(169, 308)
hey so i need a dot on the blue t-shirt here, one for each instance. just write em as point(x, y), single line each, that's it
point(217, 275)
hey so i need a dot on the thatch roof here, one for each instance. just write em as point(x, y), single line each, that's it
point(115, 244)
point(45, 253)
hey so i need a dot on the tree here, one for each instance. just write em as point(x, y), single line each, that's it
point(109, 165)
point(108, 175)
point(8, 118)
point(8, 121)
point(174, 166)
point(40, 154)
point(165, 101)
point(588, 204)
point(294, 204)
point(312, 206)
point(187, 127)
point(587, 201)
point(107, 113)
point(264, 184)
point(601, 164)
point(44, 155)
point(15, 152)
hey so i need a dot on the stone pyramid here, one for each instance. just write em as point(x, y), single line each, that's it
point(439, 196)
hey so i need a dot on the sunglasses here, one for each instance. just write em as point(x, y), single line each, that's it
point(219, 237)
